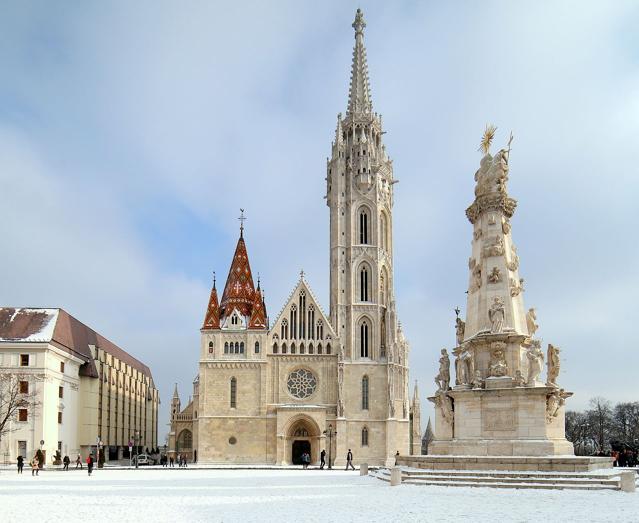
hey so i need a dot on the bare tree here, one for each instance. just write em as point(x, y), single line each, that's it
point(599, 418)
point(626, 422)
point(16, 393)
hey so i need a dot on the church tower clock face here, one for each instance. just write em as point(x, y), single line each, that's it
point(301, 383)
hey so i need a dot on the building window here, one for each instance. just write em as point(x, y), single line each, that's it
point(60, 392)
point(283, 348)
point(328, 348)
point(363, 284)
point(237, 348)
point(24, 360)
point(310, 349)
point(363, 339)
point(210, 347)
point(275, 348)
point(302, 349)
point(292, 348)
point(62, 367)
point(59, 417)
point(242, 348)
point(22, 414)
point(233, 393)
point(24, 387)
point(226, 347)
point(363, 227)
point(383, 231)
point(319, 348)
point(320, 330)
point(257, 347)
point(364, 437)
point(365, 393)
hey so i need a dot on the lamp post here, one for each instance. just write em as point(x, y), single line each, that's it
point(136, 440)
point(330, 433)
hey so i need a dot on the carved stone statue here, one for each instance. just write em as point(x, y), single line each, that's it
point(460, 328)
point(494, 276)
point(498, 366)
point(535, 358)
point(445, 404)
point(554, 402)
point(464, 367)
point(496, 315)
point(505, 226)
point(477, 381)
point(531, 316)
point(476, 282)
point(518, 380)
point(516, 287)
point(554, 364)
point(443, 377)
point(493, 246)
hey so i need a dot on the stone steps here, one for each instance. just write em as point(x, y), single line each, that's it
point(498, 479)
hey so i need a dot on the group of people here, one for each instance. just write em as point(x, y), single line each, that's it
point(181, 460)
point(66, 461)
point(625, 458)
point(306, 460)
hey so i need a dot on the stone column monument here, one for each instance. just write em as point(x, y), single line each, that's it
point(498, 404)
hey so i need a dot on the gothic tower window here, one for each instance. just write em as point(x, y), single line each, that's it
point(275, 350)
point(292, 348)
point(363, 284)
point(233, 393)
point(242, 348)
point(320, 330)
point(364, 339)
point(302, 349)
point(310, 349)
point(364, 437)
point(257, 347)
point(363, 227)
point(319, 348)
point(365, 393)
point(294, 322)
point(226, 347)
point(284, 329)
point(328, 348)
point(383, 231)
point(302, 315)
point(210, 347)
point(311, 322)
point(283, 348)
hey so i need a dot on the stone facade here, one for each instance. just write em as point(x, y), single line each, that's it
point(498, 406)
point(265, 393)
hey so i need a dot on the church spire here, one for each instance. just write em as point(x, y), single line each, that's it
point(212, 318)
point(239, 291)
point(359, 97)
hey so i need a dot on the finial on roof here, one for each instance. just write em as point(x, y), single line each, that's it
point(359, 24)
point(175, 392)
point(214, 279)
point(258, 281)
point(302, 274)
point(242, 219)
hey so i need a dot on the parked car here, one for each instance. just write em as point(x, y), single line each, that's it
point(143, 459)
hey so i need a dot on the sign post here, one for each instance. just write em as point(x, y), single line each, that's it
point(130, 451)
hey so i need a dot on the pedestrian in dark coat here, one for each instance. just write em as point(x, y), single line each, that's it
point(322, 458)
point(90, 463)
point(20, 464)
point(78, 462)
point(349, 460)
point(66, 462)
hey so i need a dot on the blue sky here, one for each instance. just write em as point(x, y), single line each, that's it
point(132, 133)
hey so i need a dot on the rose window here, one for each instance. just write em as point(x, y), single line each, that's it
point(301, 383)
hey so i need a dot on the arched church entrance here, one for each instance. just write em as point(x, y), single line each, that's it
point(302, 436)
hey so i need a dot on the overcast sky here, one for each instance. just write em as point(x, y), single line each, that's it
point(132, 132)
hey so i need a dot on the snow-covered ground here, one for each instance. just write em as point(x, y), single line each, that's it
point(286, 495)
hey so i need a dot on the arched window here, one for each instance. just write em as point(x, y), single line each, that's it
point(292, 348)
point(363, 284)
point(293, 315)
point(302, 315)
point(328, 348)
point(275, 351)
point(233, 393)
point(310, 349)
point(283, 348)
point(363, 226)
point(226, 347)
point(210, 347)
point(311, 322)
point(242, 348)
point(383, 291)
point(364, 437)
point(185, 440)
point(383, 231)
point(284, 329)
point(365, 393)
point(320, 330)
point(302, 349)
point(257, 347)
point(237, 348)
point(319, 348)
point(363, 339)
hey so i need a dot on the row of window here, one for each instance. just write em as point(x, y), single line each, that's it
point(235, 348)
point(302, 348)
point(25, 360)
point(23, 415)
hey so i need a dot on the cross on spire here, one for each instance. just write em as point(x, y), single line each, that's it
point(242, 219)
point(302, 274)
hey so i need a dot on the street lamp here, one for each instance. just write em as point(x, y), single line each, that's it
point(330, 433)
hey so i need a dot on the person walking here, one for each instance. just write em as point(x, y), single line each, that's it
point(396, 457)
point(349, 460)
point(20, 464)
point(90, 463)
point(172, 461)
point(78, 462)
point(322, 459)
point(35, 465)
point(66, 462)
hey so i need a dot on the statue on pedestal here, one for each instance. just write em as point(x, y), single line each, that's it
point(445, 404)
point(464, 367)
point(442, 380)
point(477, 381)
point(553, 365)
point(518, 380)
point(535, 362)
point(460, 328)
point(554, 402)
point(496, 315)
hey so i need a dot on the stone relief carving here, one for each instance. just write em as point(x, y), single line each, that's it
point(496, 315)
point(460, 329)
point(477, 234)
point(464, 367)
point(493, 246)
point(476, 281)
point(494, 276)
point(478, 382)
point(445, 404)
point(554, 364)
point(492, 220)
point(513, 264)
point(498, 366)
point(555, 400)
point(535, 358)
point(505, 226)
point(518, 380)
point(471, 263)
point(531, 316)
point(516, 287)
point(442, 379)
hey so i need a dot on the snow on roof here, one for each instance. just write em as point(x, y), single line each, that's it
point(27, 325)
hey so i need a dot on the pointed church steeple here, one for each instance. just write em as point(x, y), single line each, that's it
point(359, 97)
point(239, 291)
point(212, 318)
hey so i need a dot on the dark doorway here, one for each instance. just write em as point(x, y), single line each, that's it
point(299, 448)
